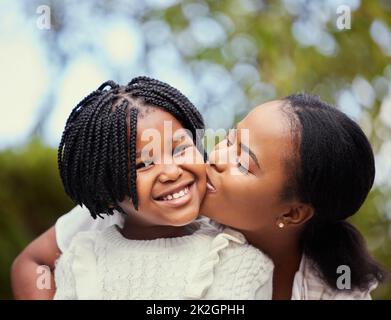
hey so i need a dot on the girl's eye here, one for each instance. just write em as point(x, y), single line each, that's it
point(180, 149)
point(144, 164)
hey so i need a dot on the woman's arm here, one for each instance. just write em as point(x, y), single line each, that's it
point(27, 270)
point(32, 274)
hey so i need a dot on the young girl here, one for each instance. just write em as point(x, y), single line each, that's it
point(160, 251)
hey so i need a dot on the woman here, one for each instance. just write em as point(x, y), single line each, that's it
point(310, 168)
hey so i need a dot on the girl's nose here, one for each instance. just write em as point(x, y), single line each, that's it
point(170, 172)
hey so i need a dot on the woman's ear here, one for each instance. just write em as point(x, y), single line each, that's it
point(297, 215)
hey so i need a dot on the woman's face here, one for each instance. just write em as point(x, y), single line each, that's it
point(251, 199)
point(171, 178)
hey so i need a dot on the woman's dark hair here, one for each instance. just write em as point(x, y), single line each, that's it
point(96, 159)
point(334, 171)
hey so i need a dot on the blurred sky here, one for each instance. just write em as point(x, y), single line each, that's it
point(36, 82)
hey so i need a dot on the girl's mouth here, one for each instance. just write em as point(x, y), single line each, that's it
point(179, 197)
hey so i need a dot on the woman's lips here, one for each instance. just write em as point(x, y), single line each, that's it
point(209, 185)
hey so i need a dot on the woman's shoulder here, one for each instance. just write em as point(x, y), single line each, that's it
point(309, 285)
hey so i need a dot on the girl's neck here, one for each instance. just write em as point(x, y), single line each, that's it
point(285, 252)
point(136, 231)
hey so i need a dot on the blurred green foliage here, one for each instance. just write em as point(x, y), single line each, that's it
point(31, 198)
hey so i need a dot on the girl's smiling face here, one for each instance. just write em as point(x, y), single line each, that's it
point(171, 179)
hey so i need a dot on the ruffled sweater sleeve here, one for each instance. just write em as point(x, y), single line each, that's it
point(75, 270)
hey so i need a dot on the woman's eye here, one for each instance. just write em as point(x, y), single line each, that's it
point(242, 168)
point(144, 164)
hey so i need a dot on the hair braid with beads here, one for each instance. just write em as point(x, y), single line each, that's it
point(96, 160)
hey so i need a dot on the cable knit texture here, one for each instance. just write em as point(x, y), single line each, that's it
point(208, 264)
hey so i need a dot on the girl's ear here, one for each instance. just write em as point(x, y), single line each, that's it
point(297, 215)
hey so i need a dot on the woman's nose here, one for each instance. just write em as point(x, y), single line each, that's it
point(217, 159)
point(170, 172)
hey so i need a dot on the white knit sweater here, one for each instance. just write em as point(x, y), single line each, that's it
point(209, 264)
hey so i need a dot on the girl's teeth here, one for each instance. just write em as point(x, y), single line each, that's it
point(177, 195)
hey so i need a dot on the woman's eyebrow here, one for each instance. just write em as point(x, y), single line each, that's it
point(247, 149)
point(250, 153)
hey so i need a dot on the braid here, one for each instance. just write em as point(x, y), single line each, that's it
point(89, 129)
point(102, 178)
point(132, 165)
point(123, 148)
point(109, 83)
point(92, 141)
point(115, 152)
